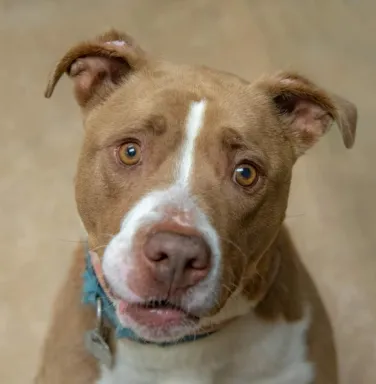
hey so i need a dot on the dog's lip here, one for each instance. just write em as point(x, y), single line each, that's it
point(155, 313)
point(152, 311)
point(152, 303)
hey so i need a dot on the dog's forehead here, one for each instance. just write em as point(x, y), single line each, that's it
point(167, 93)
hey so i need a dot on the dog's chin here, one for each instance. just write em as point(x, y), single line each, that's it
point(157, 322)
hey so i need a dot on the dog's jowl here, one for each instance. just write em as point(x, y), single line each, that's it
point(188, 275)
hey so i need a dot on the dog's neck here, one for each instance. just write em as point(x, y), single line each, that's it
point(276, 288)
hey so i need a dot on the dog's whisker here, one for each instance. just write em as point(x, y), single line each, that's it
point(110, 235)
point(295, 216)
point(98, 247)
point(236, 246)
point(72, 241)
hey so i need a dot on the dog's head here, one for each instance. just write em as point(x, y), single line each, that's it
point(183, 179)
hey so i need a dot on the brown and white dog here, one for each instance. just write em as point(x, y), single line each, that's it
point(182, 186)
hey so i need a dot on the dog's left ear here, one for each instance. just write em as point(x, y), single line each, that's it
point(308, 111)
point(98, 66)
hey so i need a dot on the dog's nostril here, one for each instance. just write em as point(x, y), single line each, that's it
point(190, 264)
point(161, 256)
point(196, 263)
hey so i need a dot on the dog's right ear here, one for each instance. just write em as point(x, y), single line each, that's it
point(98, 66)
point(307, 111)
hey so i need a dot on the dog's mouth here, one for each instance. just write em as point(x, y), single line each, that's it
point(159, 304)
point(156, 313)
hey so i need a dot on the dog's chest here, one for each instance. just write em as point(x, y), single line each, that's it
point(249, 352)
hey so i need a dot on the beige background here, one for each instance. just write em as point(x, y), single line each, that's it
point(332, 210)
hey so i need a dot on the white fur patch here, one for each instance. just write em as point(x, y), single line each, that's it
point(248, 351)
point(119, 43)
point(194, 123)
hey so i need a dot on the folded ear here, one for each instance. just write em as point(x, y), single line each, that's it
point(308, 111)
point(98, 66)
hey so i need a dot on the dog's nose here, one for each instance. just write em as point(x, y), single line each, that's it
point(178, 261)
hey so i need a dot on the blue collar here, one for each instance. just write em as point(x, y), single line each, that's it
point(93, 290)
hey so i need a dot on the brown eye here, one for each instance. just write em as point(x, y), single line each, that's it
point(129, 153)
point(245, 175)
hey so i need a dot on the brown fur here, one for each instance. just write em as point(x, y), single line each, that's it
point(272, 121)
point(64, 357)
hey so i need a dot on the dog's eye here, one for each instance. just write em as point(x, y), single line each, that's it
point(245, 175)
point(129, 153)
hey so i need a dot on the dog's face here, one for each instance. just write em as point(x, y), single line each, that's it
point(183, 179)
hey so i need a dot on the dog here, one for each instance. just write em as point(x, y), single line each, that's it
point(188, 273)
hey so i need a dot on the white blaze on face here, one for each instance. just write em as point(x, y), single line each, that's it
point(119, 260)
point(194, 123)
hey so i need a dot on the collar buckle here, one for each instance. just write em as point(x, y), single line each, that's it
point(96, 339)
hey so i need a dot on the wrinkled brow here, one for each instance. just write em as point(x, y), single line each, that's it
point(155, 125)
point(234, 140)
